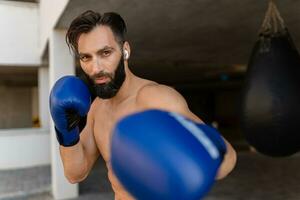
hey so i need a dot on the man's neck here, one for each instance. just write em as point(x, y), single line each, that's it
point(126, 89)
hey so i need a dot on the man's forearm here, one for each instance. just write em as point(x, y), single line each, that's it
point(75, 162)
point(228, 162)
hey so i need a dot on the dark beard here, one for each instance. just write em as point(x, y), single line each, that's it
point(110, 89)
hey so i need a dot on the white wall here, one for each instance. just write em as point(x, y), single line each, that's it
point(19, 33)
point(20, 148)
point(50, 11)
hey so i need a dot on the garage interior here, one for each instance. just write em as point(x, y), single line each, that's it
point(202, 49)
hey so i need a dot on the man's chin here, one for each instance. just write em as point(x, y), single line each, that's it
point(103, 91)
point(106, 95)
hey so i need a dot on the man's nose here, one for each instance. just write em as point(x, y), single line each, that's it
point(96, 65)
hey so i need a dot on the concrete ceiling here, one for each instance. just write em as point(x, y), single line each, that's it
point(187, 41)
point(18, 76)
point(31, 1)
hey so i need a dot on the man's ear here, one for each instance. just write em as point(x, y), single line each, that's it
point(126, 50)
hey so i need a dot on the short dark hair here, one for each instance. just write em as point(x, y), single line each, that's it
point(88, 20)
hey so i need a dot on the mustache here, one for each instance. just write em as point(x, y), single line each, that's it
point(101, 74)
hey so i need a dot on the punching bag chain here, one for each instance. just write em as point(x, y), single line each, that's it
point(273, 22)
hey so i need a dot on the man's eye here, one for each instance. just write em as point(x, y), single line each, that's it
point(106, 53)
point(84, 58)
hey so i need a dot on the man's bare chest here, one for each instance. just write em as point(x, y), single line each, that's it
point(104, 124)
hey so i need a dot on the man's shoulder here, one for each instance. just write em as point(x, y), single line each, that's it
point(153, 90)
point(155, 94)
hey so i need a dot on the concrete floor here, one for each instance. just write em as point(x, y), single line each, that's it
point(255, 177)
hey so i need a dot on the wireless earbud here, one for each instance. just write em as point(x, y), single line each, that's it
point(126, 55)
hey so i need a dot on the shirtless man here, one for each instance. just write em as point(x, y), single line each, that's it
point(100, 44)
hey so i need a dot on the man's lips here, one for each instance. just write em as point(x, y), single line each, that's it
point(101, 80)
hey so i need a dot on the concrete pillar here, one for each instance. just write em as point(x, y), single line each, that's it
point(60, 63)
point(43, 90)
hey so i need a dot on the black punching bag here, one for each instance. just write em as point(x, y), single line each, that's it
point(271, 96)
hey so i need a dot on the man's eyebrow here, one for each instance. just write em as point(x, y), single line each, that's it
point(82, 54)
point(105, 48)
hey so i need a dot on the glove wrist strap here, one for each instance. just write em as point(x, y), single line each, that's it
point(67, 141)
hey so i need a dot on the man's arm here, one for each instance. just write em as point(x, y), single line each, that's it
point(79, 159)
point(166, 98)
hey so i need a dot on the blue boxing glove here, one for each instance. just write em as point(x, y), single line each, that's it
point(163, 155)
point(70, 102)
